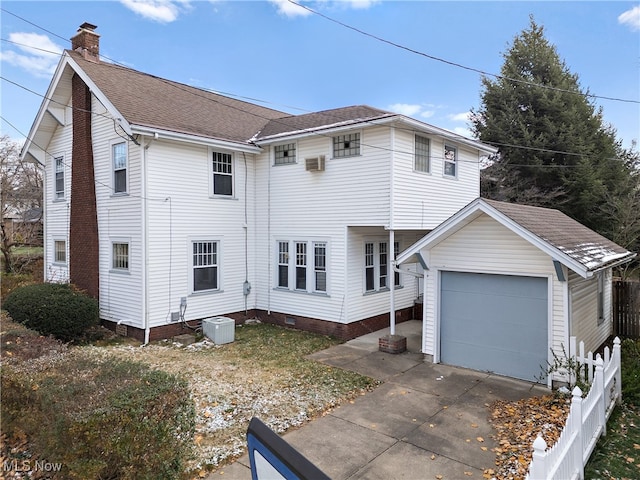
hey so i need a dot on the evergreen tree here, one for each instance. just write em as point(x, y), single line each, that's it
point(554, 148)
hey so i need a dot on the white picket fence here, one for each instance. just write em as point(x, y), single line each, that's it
point(587, 419)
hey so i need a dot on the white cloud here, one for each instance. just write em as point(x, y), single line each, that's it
point(465, 132)
point(427, 113)
point(460, 117)
point(631, 18)
point(360, 4)
point(405, 109)
point(162, 11)
point(289, 9)
point(37, 53)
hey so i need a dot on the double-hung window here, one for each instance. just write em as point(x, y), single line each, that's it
point(378, 265)
point(450, 160)
point(59, 176)
point(119, 155)
point(60, 251)
point(284, 154)
point(346, 145)
point(305, 270)
point(120, 256)
point(222, 164)
point(422, 152)
point(205, 264)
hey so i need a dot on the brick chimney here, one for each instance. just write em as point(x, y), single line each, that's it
point(87, 42)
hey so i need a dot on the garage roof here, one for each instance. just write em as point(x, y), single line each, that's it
point(561, 237)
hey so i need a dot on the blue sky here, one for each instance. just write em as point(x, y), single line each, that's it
point(279, 55)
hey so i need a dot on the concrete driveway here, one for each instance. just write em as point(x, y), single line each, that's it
point(424, 420)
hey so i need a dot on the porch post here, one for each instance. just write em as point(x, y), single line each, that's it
point(391, 274)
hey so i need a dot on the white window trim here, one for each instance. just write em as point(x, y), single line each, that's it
point(55, 158)
point(219, 257)
point(66, 252)
point(273, 150)
point(456, 162)
point(376, 265)
point(112, 144)
point(339, 134)
point(310, 266)
point(601, 279)
point(112, 242)
point(210, 152)
point(415, 154)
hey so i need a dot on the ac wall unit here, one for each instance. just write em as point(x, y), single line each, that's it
point(314, 164)
point(219, 329)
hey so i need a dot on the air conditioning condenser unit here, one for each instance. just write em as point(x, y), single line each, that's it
point(219, 330)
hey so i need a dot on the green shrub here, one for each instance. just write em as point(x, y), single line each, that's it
point(631, 371)
point(53, 309)
point(102, 418)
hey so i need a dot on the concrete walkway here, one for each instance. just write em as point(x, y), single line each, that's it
point(424, 420)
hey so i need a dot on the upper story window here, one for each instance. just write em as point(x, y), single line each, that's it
point(305, 270)
point(119, 155)
point(285, 154)
point(205, 265)
point(120, 256)
point(222, 173)
point(450, 160)
point(59, 175)
point(422, 154)
point(346, 145)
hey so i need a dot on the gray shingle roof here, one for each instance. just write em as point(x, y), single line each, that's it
point(324, 119)
point(565, 234)
point(151, 101)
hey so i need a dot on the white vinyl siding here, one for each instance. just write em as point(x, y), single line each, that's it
point(422, 201)
point(586, 325)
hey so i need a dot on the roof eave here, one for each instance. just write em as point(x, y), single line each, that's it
point(191, 138)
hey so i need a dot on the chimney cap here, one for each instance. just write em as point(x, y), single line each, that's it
point(88, 26)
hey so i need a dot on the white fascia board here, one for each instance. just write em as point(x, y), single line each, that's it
point(185, 137)
point(43, 109)
point(321, 130)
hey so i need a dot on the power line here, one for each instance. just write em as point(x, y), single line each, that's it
point(455, 64)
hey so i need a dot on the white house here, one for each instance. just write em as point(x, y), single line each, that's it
point(505, 285)
point(172, 204)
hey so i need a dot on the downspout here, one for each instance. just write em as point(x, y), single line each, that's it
point(145, 238)
point(269, 256)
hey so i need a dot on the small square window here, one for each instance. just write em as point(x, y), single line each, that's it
point(285, 154)
point(120, 257)
point(346, 145)
point(205, 266)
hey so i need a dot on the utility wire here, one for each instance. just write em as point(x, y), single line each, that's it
point(192, 90)
point(455, 64)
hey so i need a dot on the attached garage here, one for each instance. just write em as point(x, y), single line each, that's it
point(497, 287)
point(494, 323)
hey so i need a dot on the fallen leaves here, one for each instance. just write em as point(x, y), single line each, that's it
point(517, 424)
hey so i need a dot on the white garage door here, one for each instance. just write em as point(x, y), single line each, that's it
point(495, 323)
